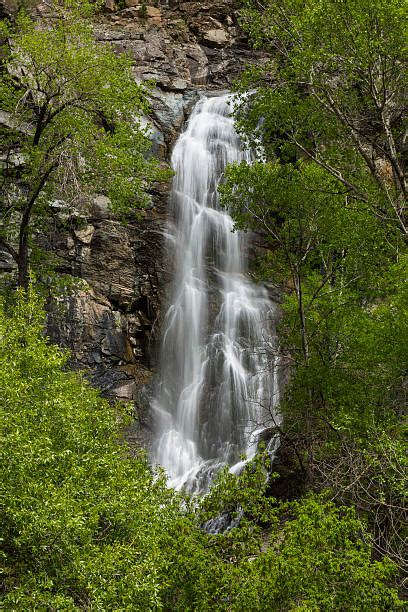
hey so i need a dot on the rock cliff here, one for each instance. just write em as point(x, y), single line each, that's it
point(185, 48)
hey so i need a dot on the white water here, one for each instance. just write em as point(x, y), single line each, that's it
point(217, 381)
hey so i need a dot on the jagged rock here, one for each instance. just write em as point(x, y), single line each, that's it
point(99, 339)
point(169, 109)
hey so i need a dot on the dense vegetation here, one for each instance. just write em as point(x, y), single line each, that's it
point(327, 201)
point(88, 526)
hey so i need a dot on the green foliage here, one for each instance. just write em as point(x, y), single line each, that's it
point(327, 200)
point(87, 526)
point(345, 309)
point(89, 105)
point(74, 112)
point(333, 92)
point(82, 520)
point(143, 10)
point(320, 562)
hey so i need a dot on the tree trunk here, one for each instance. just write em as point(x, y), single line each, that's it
point(23, 258)
point(302, 319)
point(23, 263)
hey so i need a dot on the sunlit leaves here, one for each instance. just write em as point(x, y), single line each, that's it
point(85, 525)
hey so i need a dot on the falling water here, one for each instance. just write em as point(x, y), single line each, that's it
point(217, 384)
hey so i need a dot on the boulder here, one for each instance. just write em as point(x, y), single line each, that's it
point(100, 207)
point(125, 391)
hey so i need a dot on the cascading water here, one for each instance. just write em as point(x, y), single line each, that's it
point(217, 382)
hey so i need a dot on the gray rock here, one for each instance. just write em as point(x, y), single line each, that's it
point(7, 263)
point(100, 207)
point(125, 391)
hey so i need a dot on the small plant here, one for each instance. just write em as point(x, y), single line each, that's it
point(143, 10)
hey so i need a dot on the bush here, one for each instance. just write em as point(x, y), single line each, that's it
point(87, 526)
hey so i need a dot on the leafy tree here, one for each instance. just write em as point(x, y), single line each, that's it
point(72, 111)
point(81, 518)
point(332, 256)
point(333, 92)
point(320, 242)
point(320, 562)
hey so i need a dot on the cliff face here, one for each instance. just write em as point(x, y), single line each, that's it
point(111, 326)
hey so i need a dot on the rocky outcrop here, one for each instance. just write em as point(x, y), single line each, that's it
point(109, 323)
point(184, 47)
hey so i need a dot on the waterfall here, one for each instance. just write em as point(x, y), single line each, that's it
point(217, 382)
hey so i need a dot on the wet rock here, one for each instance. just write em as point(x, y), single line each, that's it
point(170, 110)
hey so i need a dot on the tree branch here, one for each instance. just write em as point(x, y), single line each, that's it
point(7, 247)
